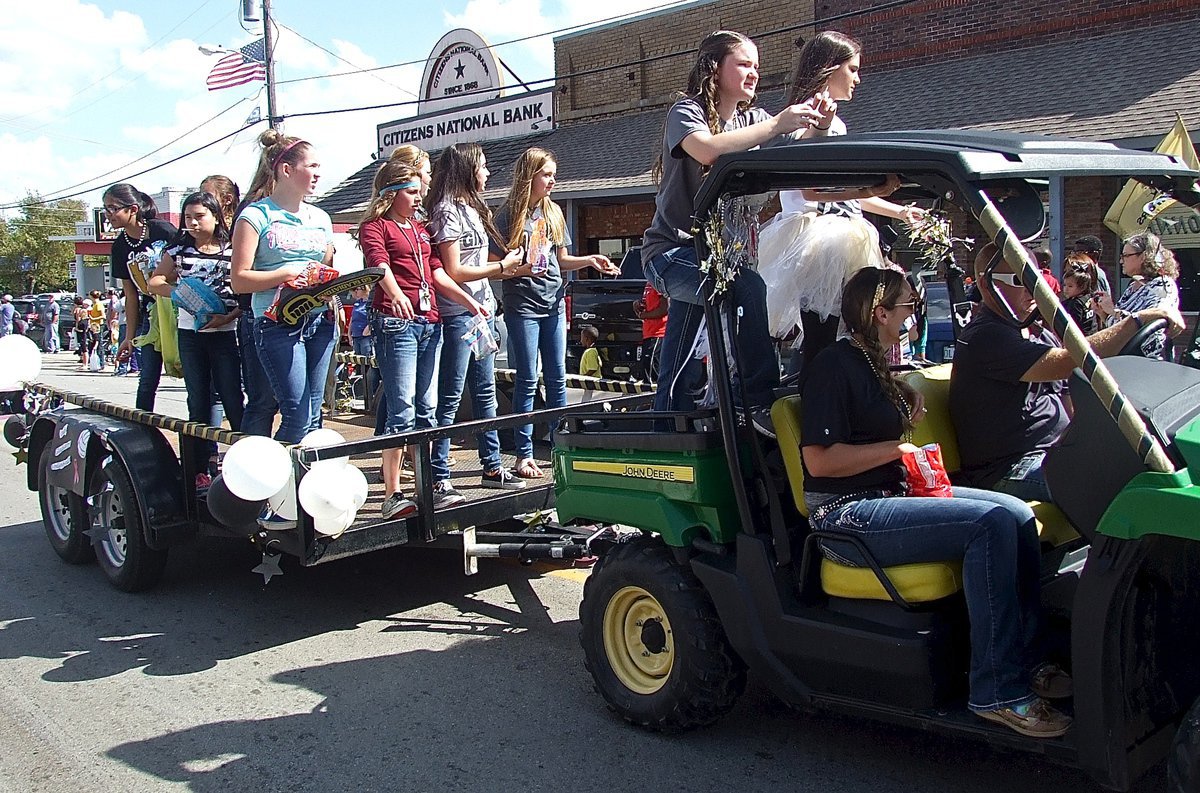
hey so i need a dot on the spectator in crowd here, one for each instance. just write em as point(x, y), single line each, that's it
point(79, 314)
point(461, 224)
point(406, 315)
point(1013, 376)
point(1078, 286)
point(534, 305)
point(7, 313)
point(651, 309)
point(277, 236)
point(1091, 246)
point(1043, 257)
point(135, 254)
point(208, 350)
point(716, 117)
point(1153, 270)
point(49, 317)
point(589, 362)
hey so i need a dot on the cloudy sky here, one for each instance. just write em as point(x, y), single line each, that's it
point(90, 91)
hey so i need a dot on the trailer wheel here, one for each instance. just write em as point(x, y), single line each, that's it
point(1183, 764)
point(130, 564)
point(653, 642)
point(65, 518)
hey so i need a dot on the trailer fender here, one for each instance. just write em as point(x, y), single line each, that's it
point(79, 440)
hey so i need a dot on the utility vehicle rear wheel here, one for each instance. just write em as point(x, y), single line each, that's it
point(653, 642)
point(65, 518)
point(129, 562)
point(1183, 764)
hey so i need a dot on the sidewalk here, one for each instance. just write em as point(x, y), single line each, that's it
point(61, 370)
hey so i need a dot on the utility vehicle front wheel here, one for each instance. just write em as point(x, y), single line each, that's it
point(1183, 764)
point(129, 562)
point(653, 642)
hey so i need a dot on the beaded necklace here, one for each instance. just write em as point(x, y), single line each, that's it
point(140, 240)
point(904, 409)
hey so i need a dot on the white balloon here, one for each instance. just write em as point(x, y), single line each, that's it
point(356, 483)
point(256, 468)
point(324, 493)
point(20, 362)
point(324, 437)
point(335, 526)
point(283, 503)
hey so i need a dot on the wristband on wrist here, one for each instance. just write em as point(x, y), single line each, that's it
point(823, 129)
point(501, 263)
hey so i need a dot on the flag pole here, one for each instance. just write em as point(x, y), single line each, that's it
point(273, 121)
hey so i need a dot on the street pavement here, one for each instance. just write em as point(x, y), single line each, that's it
point(390, 671)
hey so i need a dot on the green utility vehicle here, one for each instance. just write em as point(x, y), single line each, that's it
point(727, 577)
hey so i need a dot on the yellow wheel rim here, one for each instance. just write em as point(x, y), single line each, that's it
point(638, 640)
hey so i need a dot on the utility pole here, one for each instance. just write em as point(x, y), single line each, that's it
point(273, 121)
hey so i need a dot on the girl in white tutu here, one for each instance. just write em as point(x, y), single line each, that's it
point(808, 252)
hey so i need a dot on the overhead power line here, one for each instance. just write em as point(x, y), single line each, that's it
point(581, 73)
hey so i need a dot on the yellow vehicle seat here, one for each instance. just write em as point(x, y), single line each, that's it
point(934, 384)
point(916, 583)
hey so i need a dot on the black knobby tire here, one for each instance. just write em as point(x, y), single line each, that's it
point(64, 516)
point(1183, 764)
point(118, 534)
point(653, 642)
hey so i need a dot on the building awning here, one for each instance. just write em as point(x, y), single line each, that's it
point(1125, 87)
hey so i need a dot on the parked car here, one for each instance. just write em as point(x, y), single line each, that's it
point(607, 303)
point(66, 319)
point(26, 311)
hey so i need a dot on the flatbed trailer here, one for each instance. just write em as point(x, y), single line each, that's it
point(116, 484)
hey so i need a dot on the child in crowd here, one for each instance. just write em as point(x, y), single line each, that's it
point(1078, 286)
point(460, 224)
point(589, 362)
point(278, 234)
point(208, 351)
point(534, 305)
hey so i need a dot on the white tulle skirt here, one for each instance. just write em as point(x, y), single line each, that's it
point(806, 259)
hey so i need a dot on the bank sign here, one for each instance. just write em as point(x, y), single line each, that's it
point(509, 117)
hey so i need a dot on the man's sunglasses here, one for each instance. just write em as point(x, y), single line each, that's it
point(1008, 279)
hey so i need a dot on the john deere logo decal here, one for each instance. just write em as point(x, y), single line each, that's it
point(662, 473)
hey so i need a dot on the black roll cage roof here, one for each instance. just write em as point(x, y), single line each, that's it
point(946, 164)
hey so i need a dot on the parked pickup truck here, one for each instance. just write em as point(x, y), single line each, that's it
point(607, 303)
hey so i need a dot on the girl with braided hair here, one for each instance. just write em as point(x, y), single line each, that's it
point(715, 116)
point(820, 238)
point(855, 429)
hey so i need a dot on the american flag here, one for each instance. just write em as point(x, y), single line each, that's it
point(238, 68)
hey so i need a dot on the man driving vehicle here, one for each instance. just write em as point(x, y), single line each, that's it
point(1006, 387)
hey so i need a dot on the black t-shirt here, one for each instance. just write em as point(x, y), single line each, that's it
point(843, 402)
point(144, 254)
point(1080, 307)
point(997, 417)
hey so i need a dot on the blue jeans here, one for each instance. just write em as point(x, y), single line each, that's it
point(407, 354)
point(528, 336)
point(676, 275)
point(996, 537)
point(260, 399)
point(459, 368)
point(295, 359)
point(1025, 479)
point(210, 361)
point(151, 362)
